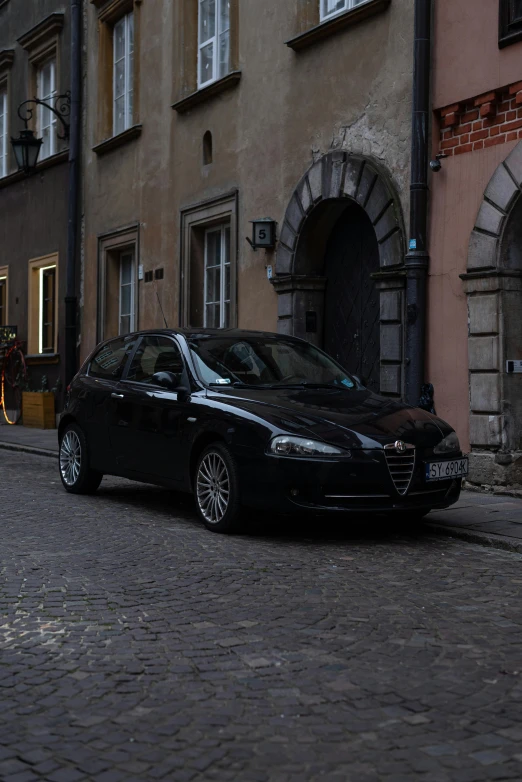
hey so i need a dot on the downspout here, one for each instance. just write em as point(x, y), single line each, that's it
point(417, 258)
point(74, 194)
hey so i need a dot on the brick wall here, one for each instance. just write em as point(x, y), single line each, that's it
point(484, 121)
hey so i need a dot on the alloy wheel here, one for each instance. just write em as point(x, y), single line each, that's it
point(70, 457)
point(213, 488)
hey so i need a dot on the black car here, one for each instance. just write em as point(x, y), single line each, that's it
point(251, 419)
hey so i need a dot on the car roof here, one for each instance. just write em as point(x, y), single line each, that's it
point(203, 332)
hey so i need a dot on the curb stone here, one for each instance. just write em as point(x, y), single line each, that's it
point(29, 449)
point(502, 542)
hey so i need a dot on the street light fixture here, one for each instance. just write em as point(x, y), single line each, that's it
point(26, 147)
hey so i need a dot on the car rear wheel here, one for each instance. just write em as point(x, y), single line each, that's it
point(217, 489)
point(75, 472)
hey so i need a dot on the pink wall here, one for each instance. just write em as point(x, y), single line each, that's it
point(456, 195)
point(467, 60)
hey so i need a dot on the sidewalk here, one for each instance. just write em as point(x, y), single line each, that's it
point(43, 442)
point(493, 520)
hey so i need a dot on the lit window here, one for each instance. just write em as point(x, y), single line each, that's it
point(46, 91)
point(214, 40)
point(3, 300)
point(333, 7)
point(3, 133)
point(217, 277)
point(123, 73)
point(127, 292)
point(47, 309)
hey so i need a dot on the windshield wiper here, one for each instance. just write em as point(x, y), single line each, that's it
point(306, 384)
point(236, 384)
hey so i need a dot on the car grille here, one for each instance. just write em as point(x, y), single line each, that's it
point(401, 466)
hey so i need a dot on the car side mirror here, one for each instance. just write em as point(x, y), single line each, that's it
point(169, 380)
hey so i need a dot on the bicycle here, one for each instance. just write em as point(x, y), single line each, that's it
point(14, 374)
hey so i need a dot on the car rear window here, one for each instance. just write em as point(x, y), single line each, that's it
point(110, 360)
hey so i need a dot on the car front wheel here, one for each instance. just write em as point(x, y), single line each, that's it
point(75, 472)
point(216, 487)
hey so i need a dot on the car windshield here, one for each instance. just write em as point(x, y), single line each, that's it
point(265, 362)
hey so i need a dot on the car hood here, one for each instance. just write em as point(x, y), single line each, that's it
point(351, 418)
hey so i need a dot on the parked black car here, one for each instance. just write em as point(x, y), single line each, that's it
point(244, 418)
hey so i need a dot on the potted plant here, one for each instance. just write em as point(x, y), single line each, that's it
point(38, 407)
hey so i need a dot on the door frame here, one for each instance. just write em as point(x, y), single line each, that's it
point(311, 213)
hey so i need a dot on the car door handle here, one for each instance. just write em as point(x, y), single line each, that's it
point(117, 396)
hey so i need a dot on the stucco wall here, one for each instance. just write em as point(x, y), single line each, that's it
point(457, 193)
point(467, 60)
point(350, 91)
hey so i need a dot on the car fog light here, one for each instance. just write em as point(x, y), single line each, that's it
point(294, 492)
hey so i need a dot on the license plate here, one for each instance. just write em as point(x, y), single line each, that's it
point(442, 471)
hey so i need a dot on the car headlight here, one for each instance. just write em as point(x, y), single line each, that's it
point(287, 445)
point(448, 445)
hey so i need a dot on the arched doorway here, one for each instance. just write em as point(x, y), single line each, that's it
point(351, 311)
point(493, 283)
point(339, 268)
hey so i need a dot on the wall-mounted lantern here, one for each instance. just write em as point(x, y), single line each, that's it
point(263, 234)
point(26, 147)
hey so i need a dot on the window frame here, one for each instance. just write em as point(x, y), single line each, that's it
point(42, 110)
point(35, 293)
point(127, 251)
point(215, 40)
point(195, 220)
point(42, 324)
point(349, 5)
point(110, 246)
point(4, 277)
point(4, 145)
point(222, 228)
point(510, 25)
point(127, 20)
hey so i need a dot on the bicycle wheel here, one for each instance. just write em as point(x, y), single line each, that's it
point(13, 377)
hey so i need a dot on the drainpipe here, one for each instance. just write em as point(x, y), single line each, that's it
point(417, 259)
point(74, 194)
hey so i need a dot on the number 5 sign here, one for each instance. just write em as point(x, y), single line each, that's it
point(264, 234)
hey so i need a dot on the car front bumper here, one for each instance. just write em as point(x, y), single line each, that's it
point(361, 483)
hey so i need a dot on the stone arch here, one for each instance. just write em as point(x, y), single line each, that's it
point(328, 186)
point(493, 284)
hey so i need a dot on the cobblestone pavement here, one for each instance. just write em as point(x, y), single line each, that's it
point(135, 645)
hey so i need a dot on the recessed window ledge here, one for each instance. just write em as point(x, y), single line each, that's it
point(117, 141)
point(42, 358)
point(337, 23)
point(200, 96)
point(42, 165)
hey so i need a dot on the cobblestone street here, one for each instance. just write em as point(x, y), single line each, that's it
point(135, 645)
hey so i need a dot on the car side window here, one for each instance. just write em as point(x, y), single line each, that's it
point(110, 360)
point(155, 354)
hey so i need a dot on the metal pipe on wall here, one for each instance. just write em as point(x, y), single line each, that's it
point(74, 194)
point(417, 258)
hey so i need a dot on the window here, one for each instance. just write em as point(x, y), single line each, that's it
point(46, 91)
point(333, 7)
point(209, 263)
point(155, 354)
point(123, 74)
point(3, 132)
point(3, 296)
point(213, 40)
point(127, 292)
point(47, 309)
point(109, 362)
point(510, 28)
point(217, 277)
point(43, 309)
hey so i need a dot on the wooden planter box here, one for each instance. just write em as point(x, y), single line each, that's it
point(38, 409)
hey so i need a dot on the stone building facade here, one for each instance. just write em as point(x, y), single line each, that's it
point(475, 288)
point(198, 122)
point(34, 62)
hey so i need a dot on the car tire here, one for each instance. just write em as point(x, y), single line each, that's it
point(75, 472)
point(216, 489)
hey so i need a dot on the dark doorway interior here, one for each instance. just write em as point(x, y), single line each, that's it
point(351, 332)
